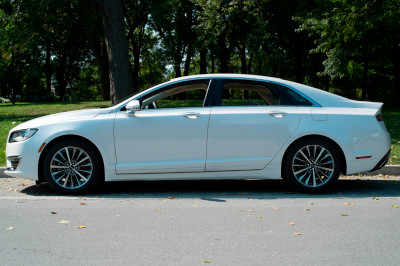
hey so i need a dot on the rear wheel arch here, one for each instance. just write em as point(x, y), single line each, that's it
point(59, 139)
point(320, 137)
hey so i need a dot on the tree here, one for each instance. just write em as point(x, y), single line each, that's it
point(173, 21)
point(364, 49)
point(137, 18)
point(117, 48)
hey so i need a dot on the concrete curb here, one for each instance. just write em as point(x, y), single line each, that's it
point(2, 174)
point(386, 170)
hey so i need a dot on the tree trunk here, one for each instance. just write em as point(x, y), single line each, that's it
point(249, 64)
point(104, 71)
point(326, 81)
point(242, 56)
point(61, 79)
point(365, 81)
point(212, 63)
point(397, 81)
point(137, 47)
point(48, 69)
point(315, 64)
point(100, 53)
point(298, 66)
point(188, 59)
point(203, 61)
point(223, 55)
point(364, 93)
point(243, 66)
point(136, 68)
point(177, 68)
point(396, 63)
point(117, 48)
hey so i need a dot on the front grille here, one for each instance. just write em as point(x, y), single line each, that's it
point(15, 161)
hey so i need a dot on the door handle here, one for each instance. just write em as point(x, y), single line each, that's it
point(191, 115)
point(277, 114)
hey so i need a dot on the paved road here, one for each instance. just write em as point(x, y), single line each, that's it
point(197, 223)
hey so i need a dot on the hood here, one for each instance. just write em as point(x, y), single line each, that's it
point(56, 118)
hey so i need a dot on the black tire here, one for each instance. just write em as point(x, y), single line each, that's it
point(73, 166)
point(312, 165)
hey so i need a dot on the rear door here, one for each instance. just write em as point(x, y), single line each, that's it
point(248, 127)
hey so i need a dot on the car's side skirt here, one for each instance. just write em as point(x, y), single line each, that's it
point(272, 172)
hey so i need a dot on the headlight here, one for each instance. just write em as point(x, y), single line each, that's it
point(21, 135)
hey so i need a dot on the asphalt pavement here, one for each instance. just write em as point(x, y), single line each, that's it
point(253, 222)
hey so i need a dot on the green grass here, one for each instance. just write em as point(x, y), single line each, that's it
point(11, 116)
point(391, 116)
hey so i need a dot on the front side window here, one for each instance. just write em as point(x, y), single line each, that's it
point(181, 95)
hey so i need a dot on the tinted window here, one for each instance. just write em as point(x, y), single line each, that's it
point(247, 94)
point(296, 98)
point(250, 93)
point(184, 94)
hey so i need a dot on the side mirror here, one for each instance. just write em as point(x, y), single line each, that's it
point(132, 107)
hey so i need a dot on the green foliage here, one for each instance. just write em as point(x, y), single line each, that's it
point(391, 116)
point(349, 47)
point(360, 41)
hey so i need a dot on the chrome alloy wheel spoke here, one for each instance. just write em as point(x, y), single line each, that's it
point(324, 168)
point(84, 159)
point(71, 167)
point(80, 175)
point(66, 152)
point(313, 165)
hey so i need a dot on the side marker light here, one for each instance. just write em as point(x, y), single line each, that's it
point(363, 157)
point(41, 147)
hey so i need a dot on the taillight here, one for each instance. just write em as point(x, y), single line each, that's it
point(379, 117)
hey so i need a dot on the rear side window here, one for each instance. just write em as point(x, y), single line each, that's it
point(254, 93)
point(245, 94)
point(293, 97)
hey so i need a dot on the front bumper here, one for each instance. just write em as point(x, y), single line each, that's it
point(23, 157)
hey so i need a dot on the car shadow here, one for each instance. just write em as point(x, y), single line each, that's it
point(219, 191)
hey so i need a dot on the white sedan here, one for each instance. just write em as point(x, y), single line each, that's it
point(222, 126)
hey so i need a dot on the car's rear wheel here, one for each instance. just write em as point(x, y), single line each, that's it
point(312, 165)
point(72, 167)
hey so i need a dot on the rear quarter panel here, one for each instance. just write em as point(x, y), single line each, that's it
point(355, 130)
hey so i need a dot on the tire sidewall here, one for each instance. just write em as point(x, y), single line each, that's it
point(96, 177)
point(288, 174)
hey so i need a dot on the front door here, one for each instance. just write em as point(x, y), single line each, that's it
point(170, 138)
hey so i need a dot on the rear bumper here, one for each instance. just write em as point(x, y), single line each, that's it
point(382, 162)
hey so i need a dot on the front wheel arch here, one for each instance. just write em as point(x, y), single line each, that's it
point(59, 139)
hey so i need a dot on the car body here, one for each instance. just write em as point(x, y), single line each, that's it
point(216, 126)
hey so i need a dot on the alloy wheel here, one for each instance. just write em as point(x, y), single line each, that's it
point(313, 165)
point(71, 167)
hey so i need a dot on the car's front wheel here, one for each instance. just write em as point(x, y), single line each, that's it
point(72, 167)
point(312, 165)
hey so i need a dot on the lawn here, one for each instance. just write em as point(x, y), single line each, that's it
point(391, 116)
point(11, 116)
